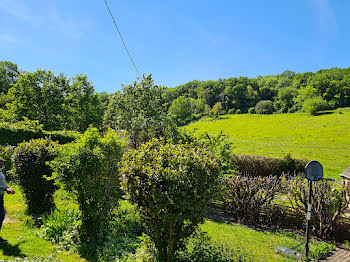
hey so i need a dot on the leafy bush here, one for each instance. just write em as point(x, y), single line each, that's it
point(30, 166)
point(216, 111)
point(231, 111)
point(122, 233)
point(199, 248)
point(264, 107)
point(238, 111)
point(172, 186)
point(148, 121)
point(249, 199)
point(251, 110)
point(88, 168)
point(6, 153)
point(314, 105)
point(14, 133)
point(61, 227)
point(329, 201)
point(266, 166)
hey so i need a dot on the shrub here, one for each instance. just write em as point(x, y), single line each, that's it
point(88, 168)
point(216, 111)
point(123, 233)
point(59, 225)
point(172, 186)
point(199, 248)
point(329, 201)
point(264, 107)
point(251, 110)
point(30, 166)
point(6, 153)
point(314, 105)
point(249, 199)
point(14, 133)
point(238, 111)
point(266, 166)
point(231, 111)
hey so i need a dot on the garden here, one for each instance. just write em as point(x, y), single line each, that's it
point(140, 189)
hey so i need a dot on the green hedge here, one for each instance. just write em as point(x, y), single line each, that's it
point(266, 166)
point(15, 133)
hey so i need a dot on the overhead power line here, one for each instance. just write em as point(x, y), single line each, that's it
point(121, 37)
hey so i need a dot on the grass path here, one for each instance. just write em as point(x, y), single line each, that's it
point(325, 138)
point(23, 241)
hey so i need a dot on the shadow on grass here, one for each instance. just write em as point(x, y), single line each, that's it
point(324, 113)
point(218, 118)
point(12, 250)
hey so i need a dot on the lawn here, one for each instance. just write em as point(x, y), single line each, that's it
point(325, 138)
point(24, 242)
point(22, 236)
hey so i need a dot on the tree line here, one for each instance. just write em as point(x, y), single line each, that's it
point(59, 103)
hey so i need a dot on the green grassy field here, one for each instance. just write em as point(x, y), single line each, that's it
point(325, 138)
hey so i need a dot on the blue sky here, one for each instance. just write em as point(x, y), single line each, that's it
point(176, 41)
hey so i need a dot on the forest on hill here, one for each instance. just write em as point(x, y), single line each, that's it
point(58, 103)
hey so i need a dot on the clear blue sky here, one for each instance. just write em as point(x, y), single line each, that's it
point(176, 41)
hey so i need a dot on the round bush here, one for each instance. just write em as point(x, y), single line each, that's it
point(264, 107)
point(172, 186)
point(231, 111)
point(30, 166)
point(251, 110)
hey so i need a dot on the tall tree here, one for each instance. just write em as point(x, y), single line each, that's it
point(84, 107)
point(8, 75)
point(39, 96)
point(139, 109)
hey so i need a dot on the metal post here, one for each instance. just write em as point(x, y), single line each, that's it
point(308, 218)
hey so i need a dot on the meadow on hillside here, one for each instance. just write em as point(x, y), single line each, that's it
point(325, 138)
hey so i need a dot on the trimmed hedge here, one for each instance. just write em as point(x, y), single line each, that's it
point(266, 166)
point(29, 160)
point(15, 133)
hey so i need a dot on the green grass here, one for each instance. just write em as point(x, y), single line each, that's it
point(23, 241)
point(325, 138)
point(258, 245)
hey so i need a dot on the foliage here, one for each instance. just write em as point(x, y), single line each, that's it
point(249, 199)
point(329, 201)
point(61, 227)
point(122, 233)
point(216, 110)
point(251, 110)
point(200, 248)
point(39, 96)
point(139, 109)
point(180, 110)
point(84, 105)
point(314, 105)
point(14, 133)
point(6, 153)
point(29, 161)
point(264, 107)
point(160, 178)
point(231, 111)
point(88, 169)
point(287, 91)
point(266, 166)
point(52, 101)
point(8, 75)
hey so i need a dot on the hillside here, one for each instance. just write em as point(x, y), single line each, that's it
point(325, 137)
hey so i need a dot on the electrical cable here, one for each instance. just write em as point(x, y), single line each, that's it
point(121, 37)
